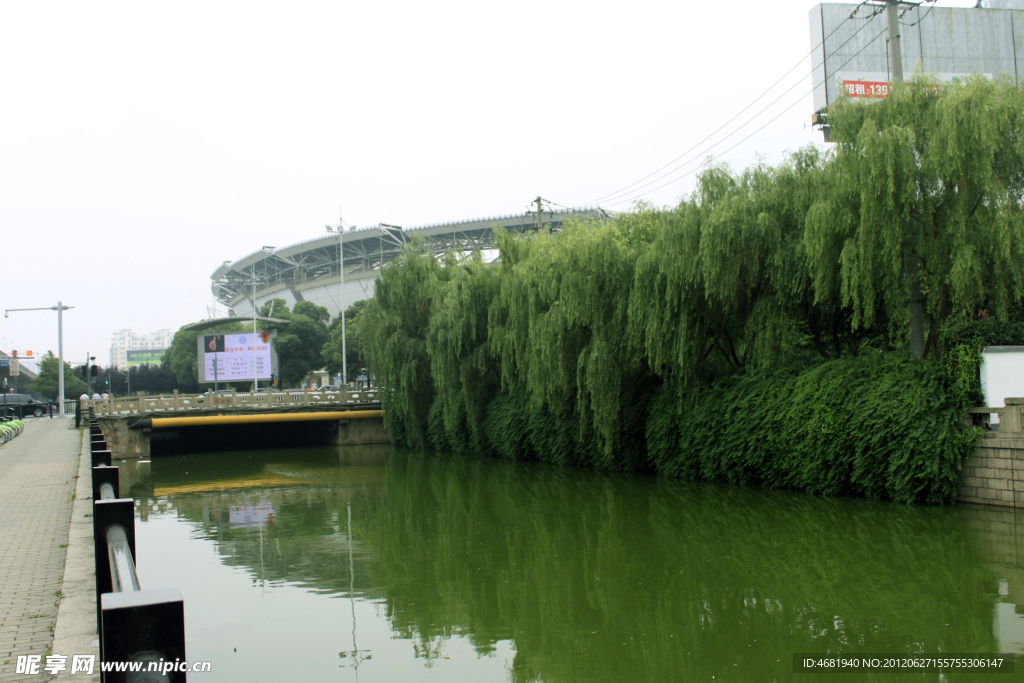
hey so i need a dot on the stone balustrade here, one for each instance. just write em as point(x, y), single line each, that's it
point(141, 404)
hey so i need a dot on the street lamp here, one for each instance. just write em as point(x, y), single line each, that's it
point(341, 299)
point(60, 308)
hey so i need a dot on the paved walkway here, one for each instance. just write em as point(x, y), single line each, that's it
point(37, 480)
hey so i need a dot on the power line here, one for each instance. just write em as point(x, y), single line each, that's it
point(617, 194)
point(752, 103)
point(930, 7)
point(692, 171)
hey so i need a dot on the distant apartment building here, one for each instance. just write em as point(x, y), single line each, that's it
point(129, 348)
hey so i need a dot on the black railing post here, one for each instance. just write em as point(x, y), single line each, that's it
point(100, 457)
point(104, 514)
point(135, 624)
point(105, 474)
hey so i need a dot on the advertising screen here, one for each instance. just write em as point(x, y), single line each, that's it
point(229, 357)
point(145, 357)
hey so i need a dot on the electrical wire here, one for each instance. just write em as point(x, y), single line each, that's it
point(617, 195)
point(692, 171)
point(930, 7)
point(752, 103)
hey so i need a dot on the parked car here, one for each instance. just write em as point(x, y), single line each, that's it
point(23, 405)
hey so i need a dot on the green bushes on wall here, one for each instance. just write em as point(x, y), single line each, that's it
point(864, 426)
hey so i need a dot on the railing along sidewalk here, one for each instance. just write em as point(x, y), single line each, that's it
point(135, 625)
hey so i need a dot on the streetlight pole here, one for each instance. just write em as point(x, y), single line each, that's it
point(269, 251)
point(341, 299)
point(255, 375)
point(60, 308)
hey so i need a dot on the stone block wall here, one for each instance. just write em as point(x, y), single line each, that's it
point(994, 475)
point(125, 444)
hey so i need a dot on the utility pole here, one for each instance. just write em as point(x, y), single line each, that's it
point(892, 13)
point(911, 260)
point(540, 220)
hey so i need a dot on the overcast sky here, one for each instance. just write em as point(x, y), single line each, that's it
point(142, 144)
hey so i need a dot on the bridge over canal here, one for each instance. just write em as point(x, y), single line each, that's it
point(140, 426)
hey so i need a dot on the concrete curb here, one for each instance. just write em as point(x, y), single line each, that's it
point(75, 632)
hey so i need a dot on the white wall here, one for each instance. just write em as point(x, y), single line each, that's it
point(1002, 375)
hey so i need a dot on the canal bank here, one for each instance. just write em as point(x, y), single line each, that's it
point(37, 492)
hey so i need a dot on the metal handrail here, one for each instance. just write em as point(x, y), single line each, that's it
point(123, 576)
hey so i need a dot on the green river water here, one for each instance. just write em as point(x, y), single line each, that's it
point(381, 565)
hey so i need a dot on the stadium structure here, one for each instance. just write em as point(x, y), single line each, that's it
point(309, 270)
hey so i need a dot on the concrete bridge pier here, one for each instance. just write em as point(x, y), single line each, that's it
point(358, 432)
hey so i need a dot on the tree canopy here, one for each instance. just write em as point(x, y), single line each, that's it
point(47, 382)
point(299, 344)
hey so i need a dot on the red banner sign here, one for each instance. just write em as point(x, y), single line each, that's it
point(865, 88)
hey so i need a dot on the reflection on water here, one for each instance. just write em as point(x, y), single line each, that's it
point(380, 565)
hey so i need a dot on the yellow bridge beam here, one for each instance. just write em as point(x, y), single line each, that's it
point(198, 421)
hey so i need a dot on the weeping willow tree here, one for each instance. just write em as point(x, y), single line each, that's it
point(919, 214)
point(726, 284)
point(464, 374)
point(559, 324)
point(395, 325)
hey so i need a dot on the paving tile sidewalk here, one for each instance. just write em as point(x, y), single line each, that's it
point(37, 480)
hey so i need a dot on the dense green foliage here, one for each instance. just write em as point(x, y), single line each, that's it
point(355, 354)
point(961, 359)
point(47, 382)
point(299, 344)
point(866, 426)
point(740, 335)
point(923, 202)
point(149, 379)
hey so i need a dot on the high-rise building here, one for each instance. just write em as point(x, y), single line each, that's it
point(153, 345)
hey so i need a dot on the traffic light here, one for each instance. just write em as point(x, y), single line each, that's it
point(95, 371)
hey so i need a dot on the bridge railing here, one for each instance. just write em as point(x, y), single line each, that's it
point(140, 403)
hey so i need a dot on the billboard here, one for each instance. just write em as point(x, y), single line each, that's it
point(144, 357)
point(850, 57)
point(229, 357)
